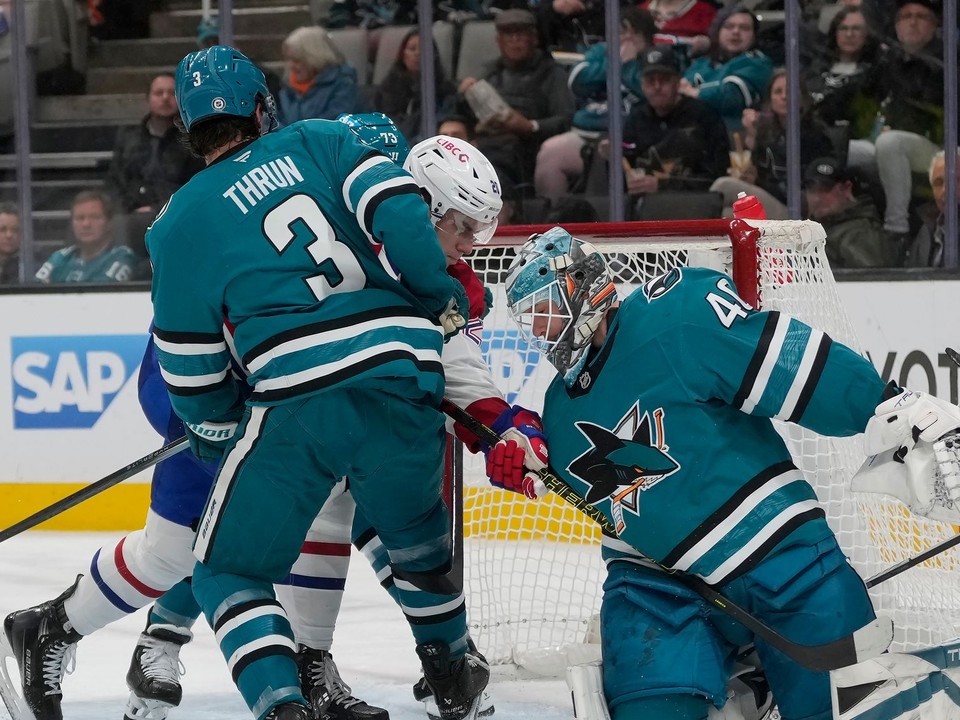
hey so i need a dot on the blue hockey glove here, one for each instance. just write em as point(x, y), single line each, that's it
point(513, 463)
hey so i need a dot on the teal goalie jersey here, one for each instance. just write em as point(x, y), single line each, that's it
point(320, 256)
point(667, 429)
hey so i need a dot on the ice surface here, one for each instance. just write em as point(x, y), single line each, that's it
point(373, 645)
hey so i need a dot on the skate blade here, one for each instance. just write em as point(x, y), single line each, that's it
point(144, 709)
point(485, 710)
point(10, 687)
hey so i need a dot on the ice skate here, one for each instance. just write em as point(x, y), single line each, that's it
point(423, 693)
point(43, 643)
point(155, 670)
point(457, 686)
point(290, 711)
point(329, 695)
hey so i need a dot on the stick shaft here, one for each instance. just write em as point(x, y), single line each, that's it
point(94, 488)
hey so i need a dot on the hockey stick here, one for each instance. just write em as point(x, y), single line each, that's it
point(895, 570)
point(95, 488)
point(867, 642)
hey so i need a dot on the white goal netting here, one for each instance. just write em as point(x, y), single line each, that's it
point(532, 569)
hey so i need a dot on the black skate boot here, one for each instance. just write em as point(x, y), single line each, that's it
point(290, 711)
point(423, 693)
point(457, 685)
point(329, 695)
point(44, 645)
point(155, 670)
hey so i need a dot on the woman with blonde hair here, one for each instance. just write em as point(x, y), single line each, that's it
point(319, 83)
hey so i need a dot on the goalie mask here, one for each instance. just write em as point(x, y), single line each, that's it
point(558, 291)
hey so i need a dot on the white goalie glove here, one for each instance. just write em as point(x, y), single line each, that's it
point(914, 447)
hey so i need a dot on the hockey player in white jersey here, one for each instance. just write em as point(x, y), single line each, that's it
point(462, 190)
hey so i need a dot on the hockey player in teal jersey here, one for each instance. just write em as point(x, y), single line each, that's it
point(660, 417)
point(321, 254)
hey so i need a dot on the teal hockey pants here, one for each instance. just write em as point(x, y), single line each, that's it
point(274, 478)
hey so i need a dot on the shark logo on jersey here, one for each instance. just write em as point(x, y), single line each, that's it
point(625, 461)
point(662, 284)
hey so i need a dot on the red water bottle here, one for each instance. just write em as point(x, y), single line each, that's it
point(747, 207)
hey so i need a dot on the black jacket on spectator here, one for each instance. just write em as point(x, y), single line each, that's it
point(838, 97)
point(398, 96)
point(10, 270)
point(571, 33)
point(538, 90)
point(147, 170)
point(688, 148)
point(769, 155)
point(911, 91)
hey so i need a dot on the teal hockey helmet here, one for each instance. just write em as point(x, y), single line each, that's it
point(379, 132)
point(222, 81)
point(558, 291)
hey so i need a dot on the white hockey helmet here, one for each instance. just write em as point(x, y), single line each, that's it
point(458, 177)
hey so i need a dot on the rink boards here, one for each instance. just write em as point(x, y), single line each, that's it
point(68, 393)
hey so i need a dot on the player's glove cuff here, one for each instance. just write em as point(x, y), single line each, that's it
point(514, 463)
point(208, 440)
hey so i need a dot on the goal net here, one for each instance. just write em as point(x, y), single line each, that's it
point(533, 573)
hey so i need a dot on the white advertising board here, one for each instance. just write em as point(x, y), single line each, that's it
point(68, 397)
point(69, 364)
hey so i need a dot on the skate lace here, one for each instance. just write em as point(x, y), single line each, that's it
point(161, 659)
point(325, 672)
point(60, 660)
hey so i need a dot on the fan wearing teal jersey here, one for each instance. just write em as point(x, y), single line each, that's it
point(93, 258)
point(320, 253)
point(660, 417)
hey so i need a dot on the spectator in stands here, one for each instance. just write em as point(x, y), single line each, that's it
point(560, 161)
point(149, 164)
point(94, 257)
point(456, 126)
point(398, 96)
point(854, 232)
point(374, 14)
point(683, 23)
point(671, 142)
point(9, 244)
point(765, 136)
point(840, 78)
point(733, 76)
point(571, 25)
point(319, 83)
point(911, 84)
point(208, 32)
point(926, 250)
point(535, 88)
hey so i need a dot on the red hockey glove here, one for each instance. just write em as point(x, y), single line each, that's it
point(513, 463)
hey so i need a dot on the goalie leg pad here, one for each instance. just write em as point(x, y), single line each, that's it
point(586, 689)
point(924, 685)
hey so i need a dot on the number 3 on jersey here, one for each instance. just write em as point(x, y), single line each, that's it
point(728, 306)
point(339, 270)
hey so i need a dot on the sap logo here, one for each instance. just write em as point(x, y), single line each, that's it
point(511, 359)
point(69, 381)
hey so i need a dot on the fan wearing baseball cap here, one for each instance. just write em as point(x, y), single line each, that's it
point(854, 233)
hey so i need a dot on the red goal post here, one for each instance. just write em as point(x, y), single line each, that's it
point(532, 570)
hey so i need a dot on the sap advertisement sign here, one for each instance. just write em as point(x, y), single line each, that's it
point(69, 381)
point(68, 386)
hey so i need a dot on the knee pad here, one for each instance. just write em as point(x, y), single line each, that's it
point(162, 550)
